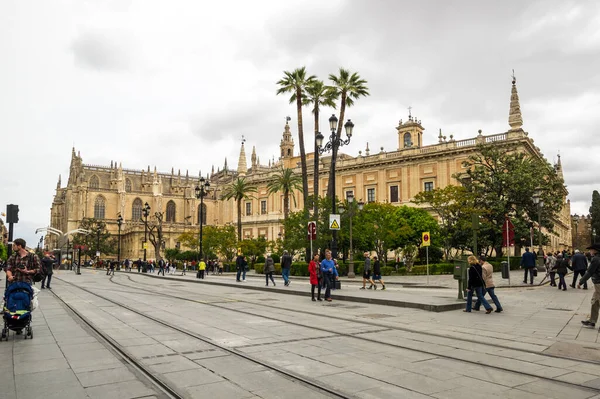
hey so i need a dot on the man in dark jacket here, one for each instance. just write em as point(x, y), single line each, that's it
point(47, 270)
point(593, 271)
point(579, 265)
point(286, 265)
point(240, 265)
point(528, 263)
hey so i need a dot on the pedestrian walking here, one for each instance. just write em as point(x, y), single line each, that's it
point(562, 268)
point(286, 266)
point(579, 264)
point(184, 269)
point(475, 285)
point(327, 267)
point(201, 269)
point(488, 281)
point(593, 272)
point(367, 272)
point(314, 270)
point(47, 270)
point(528, 263)
point(377, 273)
point(161, 267)
point(111, 267)
point(240, 265)
point(269, 269)
point(550, 265)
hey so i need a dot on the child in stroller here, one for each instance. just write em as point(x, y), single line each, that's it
point(17, 309)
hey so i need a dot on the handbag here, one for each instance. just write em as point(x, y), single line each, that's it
point(534, 272)
point(38, 276)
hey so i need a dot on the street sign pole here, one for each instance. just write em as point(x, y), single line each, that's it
point(427, 251)
point(425, 242)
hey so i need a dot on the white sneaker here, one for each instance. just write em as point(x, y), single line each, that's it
point(244, 280)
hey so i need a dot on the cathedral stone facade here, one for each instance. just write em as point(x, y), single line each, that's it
point(395, 177)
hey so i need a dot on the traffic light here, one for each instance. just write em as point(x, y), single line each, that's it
point(12, 213)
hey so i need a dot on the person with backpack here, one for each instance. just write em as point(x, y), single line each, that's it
point(314, 271)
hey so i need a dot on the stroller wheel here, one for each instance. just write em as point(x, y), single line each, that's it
point(29, 332)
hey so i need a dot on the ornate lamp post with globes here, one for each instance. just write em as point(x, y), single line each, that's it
point(145, 213)
point(537, 200)
point(201, 192)
point(119, 223)
point(351, 213)
point(333, 143)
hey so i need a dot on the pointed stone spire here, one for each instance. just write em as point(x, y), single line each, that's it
point(73, 153)
point(287, 142)
point(212, 170)
point(367, 151)
point(558, 168)
point(225, 166)
point(58, 183)
point(111, 164)
point(242, 166)
point(172, 171)
point(440, 137)
point(253, 157)
point(515, 120)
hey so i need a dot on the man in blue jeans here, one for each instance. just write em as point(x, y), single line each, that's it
point(487, 274)
point(528, 263)
point(327, 267)
point(286, 265)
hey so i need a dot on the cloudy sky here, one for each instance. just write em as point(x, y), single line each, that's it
point(177, 83)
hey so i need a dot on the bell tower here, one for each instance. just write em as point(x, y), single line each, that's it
point(410, 133)
point(287, 142)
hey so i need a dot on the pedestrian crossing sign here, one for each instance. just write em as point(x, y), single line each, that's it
point(334, 221)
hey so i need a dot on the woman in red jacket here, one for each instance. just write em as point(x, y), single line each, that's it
point(315, 270)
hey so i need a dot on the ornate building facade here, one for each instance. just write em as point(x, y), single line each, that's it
point(395, 177)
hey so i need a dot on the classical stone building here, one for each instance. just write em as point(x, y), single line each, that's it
point(373, 176)
point(583, 233)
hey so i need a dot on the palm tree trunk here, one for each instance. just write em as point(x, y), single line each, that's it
point(316, 170)
point(334, 151)
point(239, 219)
point(286, 205)
point(302, 150)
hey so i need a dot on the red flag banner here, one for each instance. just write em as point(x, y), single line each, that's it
point(508, 233)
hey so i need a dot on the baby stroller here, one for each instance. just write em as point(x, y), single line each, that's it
point(17, 309)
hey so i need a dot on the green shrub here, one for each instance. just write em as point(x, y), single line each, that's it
point(276, 258)
point(387, 270)
point(299, 269)
point(259, 268)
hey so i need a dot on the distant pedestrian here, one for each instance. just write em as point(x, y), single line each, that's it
point(47, 270)
point(111, 267)
point(220, 267)
point(201, 269)
point(593, 272)
point(550, 267)
point(139, 264)
point(367, 272)
point(377, 273)
point(269, 269)
point(475, 285)
point(579, 264)
point(314, 270)
point(562, 268)
point(184, 269)
point(161, 267)
point(528, 263)
point(327, 267)
point(286, 265)
point(488, 281)
point(240, 265)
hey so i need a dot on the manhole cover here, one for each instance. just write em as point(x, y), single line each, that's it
point(376, 316)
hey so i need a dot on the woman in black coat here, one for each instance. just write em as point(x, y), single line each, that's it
point(562, 266)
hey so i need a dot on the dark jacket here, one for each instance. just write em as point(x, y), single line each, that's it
point(239, 263)
point(475, 277)
point(376, 268)
point(593, 271)
point(47, 265)
point(269, 265)
point(579, 262)
point(562, 266)
point(286, 261)
point(528, 260)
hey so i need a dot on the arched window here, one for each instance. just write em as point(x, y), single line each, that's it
point(171, 212)
point(128, 185)
point(407, 140)
point(203, 214)
point(136, 210)
point(99, 207)
point(94, 182)
point(289, 152)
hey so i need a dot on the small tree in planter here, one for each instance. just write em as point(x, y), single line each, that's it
point(410, 252)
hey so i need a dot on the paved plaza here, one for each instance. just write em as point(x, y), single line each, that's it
point(222, 339)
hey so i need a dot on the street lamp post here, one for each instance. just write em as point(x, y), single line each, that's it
point(145, 212)
point(98, 244)
point(201, 192)
point(119, 223)
point(576, 223)
point(537, 199)
point(333, 144)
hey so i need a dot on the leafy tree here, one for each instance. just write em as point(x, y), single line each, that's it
point(253, 248)
point(595, 211)
point(286, 181)
point(318, 95)
point(296, 82)
point(296, 233)
point(99, 238)
point(503, 181)
point(454, 206)
point(219, 240)
point(238, 190)
point(378, 228)
point(155, 232)
point(348, 87)
point(172, 253)
point(189, 239)
point(3, 251)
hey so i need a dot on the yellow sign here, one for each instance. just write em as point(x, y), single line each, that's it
point(426, 240)
point(239, 251)
point(334, 221)
point(144, 245)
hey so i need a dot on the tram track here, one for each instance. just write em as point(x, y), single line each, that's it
point(246, 311)
point(157, 381)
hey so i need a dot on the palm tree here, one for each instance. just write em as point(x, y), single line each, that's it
point(296, 82)
point(348, 87)
point(239, 190)
point(286, 181)
point(317, 95)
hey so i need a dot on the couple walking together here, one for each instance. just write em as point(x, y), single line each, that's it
point(481, 282)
